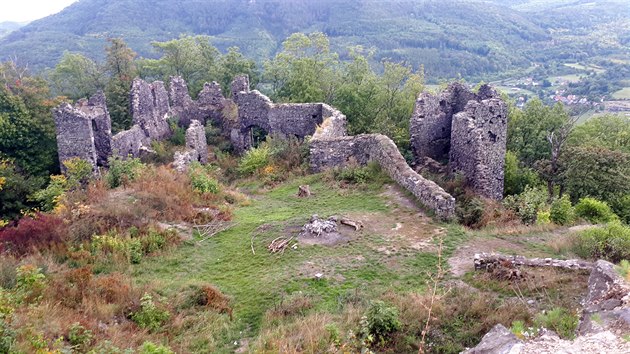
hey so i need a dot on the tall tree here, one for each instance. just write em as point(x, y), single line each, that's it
point(77, 76)
point(122, 69)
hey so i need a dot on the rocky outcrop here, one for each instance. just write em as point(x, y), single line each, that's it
point(498, 341)
point(607, 304)
point(466, 129)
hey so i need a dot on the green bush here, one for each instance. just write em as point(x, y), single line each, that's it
point(611, 242)
point(179, 133)
point(527, 204)
point(560, 320)
point(80, 337)
point(149, 316)
point(517, 177)
point(594, 211)
point(562, 212)
point(7, 337)
point(379, 322)
point(78, 172)
point(121, 172)
point(470, 210)
point(152, 348)
point(357, 174)
point(621, 207)
point(543, 217)
point(254, 160)
point(49, 197)
point(202, 182)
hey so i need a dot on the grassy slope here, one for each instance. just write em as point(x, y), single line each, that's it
point(257, 282)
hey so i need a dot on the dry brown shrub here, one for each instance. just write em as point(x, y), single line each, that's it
point(291, 306)
point(211, 297)
point(70, 287)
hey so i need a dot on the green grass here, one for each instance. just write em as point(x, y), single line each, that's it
point(587, 67)
point(623, 94)
point(257, 282)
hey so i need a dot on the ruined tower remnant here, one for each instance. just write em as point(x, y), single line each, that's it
point(150, 108)
point(196, 147)
point(478, 146)
point(466, 129)
point(84, 131)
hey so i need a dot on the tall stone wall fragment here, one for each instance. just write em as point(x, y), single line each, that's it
point(96, 109)
point(75, 138)
point(466, 129)
point(478, 146)
point(129, 143)
point(150, 108)
point(196, 141)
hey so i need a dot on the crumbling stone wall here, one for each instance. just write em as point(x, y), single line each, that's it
point(327, 151)
point(150, 108)
point(84, 131)
point(478, 146)
point(196, 147)
point(257, 110)
point(466, 129)
point(129, 143)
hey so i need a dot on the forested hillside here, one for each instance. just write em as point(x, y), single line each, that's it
point(452, 38)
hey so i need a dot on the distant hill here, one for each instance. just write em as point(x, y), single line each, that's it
point(8, 27)
point(449, 37)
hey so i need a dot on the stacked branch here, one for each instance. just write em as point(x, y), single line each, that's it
point(279, 244)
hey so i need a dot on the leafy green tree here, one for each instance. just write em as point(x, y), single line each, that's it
point(77, 76)
point(234, 63)
point(191, 57)
point(594, 171)
point(305, 70)
point(609, 131)
point(122, 70)
point(528, 130)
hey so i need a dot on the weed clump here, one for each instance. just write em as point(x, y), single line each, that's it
point(122, 172)
point(379, 322)
point(149, 316)
point(560, 320)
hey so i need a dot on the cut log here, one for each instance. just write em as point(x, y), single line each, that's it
point(356, 224)
point(304, 191)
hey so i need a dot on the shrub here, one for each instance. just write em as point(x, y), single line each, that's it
point(79, 337)
point(290, 154)
point(543, 217)
point(517, 178)
point(149, 316)
point(7, 337)
point(562, 212)
point(527, 204)
point(78, 172)
point(357, 174)
point(49, 197)
point(30, 282)
point(379, 322)
point(594, 211)
point(152, 348)
point(621, 207)
point(624, 269)
point(121, 172)
point(254, 160)
point(611, 242)
point(36, 233)
point(179, 133)
point(202, 182)
point(470, 210)
point(560, 320)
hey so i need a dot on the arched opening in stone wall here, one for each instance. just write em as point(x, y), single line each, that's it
point(257, 136)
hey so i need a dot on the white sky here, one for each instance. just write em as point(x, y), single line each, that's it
point(29, 10)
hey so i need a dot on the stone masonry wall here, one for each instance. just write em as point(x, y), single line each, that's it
point(468, 129)
point(150, 108)
point(478, 146)
point(96, 110)
point(338, 151)
point(75, 138)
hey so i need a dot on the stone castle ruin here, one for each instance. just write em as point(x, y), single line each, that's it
point(466, 128)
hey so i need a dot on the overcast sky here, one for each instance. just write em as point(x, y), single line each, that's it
point(29, 10)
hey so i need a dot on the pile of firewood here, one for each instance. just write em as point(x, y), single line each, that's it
point(279, 244)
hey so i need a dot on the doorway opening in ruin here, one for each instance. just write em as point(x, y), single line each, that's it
point(257, 135)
